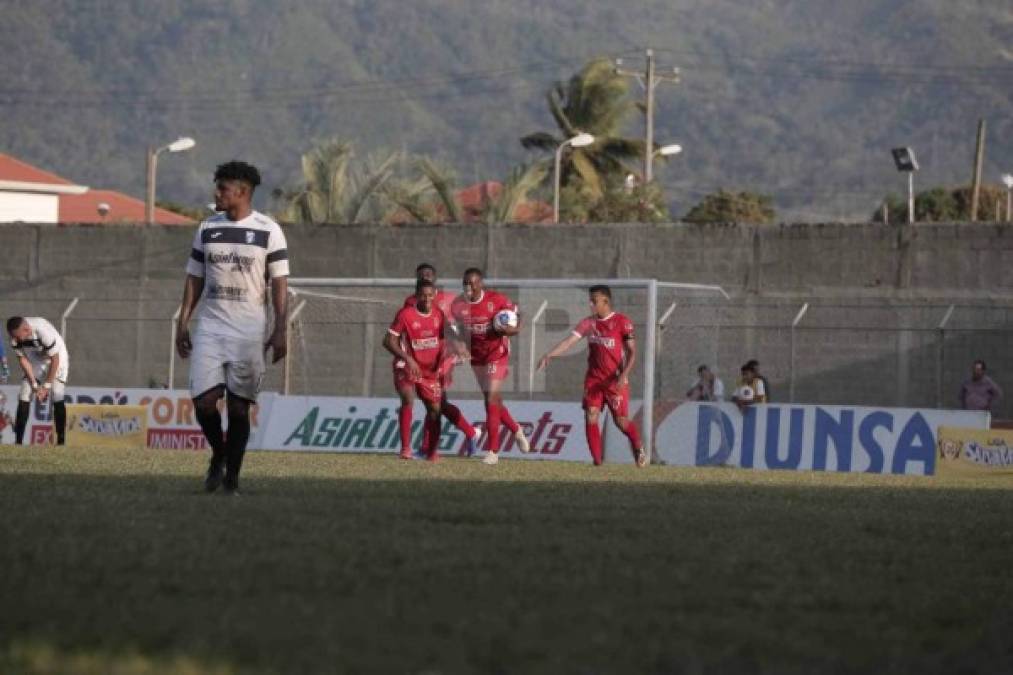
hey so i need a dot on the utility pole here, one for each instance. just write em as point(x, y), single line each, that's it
point(648, 80)
point(979, 158)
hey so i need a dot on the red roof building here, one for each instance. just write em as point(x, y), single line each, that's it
point(29, 194)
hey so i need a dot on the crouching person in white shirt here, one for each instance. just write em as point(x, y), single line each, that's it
point(44, 361)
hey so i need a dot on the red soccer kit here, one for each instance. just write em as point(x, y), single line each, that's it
point(605, 361)
point(421, 338)
point(490, 351)
point(443, 301)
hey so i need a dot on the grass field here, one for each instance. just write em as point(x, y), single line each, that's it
point(116, 562)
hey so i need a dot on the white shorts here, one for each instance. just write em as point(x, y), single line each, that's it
point(41, 373)
point(217, 361)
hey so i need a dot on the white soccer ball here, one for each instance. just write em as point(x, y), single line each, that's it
point(504, 319)
point(745, 393)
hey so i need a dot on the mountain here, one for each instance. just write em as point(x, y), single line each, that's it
point(798, 99)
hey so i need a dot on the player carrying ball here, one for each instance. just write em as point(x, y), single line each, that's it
point(416, 339)
point(474, 312)
point(611, 354)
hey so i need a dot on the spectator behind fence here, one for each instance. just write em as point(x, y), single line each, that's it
point(751, 389)
point(708, 386)
point(754, 365)
point(980, 392)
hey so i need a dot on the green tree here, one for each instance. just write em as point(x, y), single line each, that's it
point(335, 191)
point(730, 207)
point(594, 101)
point(944, 205)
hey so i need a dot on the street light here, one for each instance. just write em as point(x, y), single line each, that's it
point(1007, 179)
point(579, 141)
point(179, 145)
point(904, 159)
point(668, 150)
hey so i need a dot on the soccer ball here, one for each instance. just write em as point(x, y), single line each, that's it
point(504, 319)
point(745, 393)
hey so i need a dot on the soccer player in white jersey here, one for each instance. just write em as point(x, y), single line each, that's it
point(44, 361)
point(234, 254)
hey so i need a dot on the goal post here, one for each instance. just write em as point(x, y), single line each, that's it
point(342, 321)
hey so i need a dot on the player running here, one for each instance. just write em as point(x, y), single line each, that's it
point(416, 339)
point(474, 311)
point(442, 302)
point(611, 354)
point(45, 364)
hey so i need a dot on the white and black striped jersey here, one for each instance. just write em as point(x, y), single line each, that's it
point(236, 259)
point(43, 344)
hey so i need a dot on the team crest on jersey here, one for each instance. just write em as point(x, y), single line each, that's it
point(250, 236)
point(416, 324)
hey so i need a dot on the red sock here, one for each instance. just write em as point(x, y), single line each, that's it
point(504, 415)
point(404, 421)
point(432, 436)
point(594, 441)
point(633, 434)
point(456, 417)
point(492, 422)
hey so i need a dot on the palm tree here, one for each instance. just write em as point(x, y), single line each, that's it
point(523, 180)
point(593, 101)
point(334, 191)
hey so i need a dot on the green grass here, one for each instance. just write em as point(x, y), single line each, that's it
point(115, 562)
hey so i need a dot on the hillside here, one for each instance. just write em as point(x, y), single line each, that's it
point(801, 100)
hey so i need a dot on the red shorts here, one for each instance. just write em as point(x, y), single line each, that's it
point(427, 389)
point(609, 393)
point(494, 371)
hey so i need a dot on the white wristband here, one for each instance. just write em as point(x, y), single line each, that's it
point(47, 385)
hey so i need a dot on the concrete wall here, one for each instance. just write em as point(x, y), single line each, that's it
point(129, 280)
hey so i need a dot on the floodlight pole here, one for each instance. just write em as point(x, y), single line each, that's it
point(941, 355)
point(791, 370)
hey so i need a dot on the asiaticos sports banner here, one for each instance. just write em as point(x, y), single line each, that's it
point(107, 426)
point(975, 450)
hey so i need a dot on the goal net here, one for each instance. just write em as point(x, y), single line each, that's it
point(337, 327)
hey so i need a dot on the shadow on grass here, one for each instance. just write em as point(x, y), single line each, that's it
point(365, 575)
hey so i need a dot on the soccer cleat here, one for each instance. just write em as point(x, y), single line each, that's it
point(230, 486)
point(523, 444)
point(491, 458)
point(471, 444)
point(214, 476)
point(406, 454)
point(433, 457)
point(640, 457)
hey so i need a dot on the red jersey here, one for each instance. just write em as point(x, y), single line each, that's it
point(421, 338)
point(475, 318)
point(443, 301)
point(605, 337)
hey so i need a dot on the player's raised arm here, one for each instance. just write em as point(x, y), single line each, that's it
point(563, 345)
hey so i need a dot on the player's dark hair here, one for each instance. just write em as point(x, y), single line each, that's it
point(701, 368)
point(600, 288)
point(14, 323)
point(982, 363)
point(752, 364)
point(423, 283)
point(424, 266)
point(746, 368)
point(472, 270)
point(241, 171)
